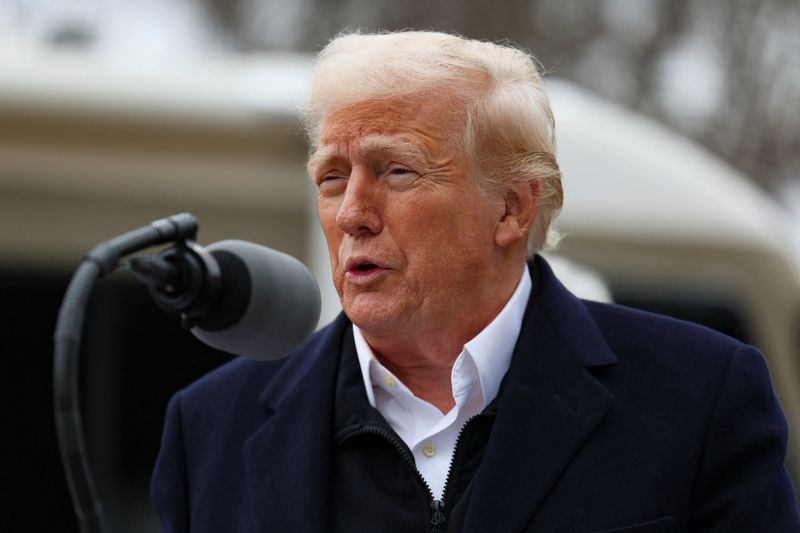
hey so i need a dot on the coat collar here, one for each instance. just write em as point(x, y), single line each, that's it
point(286, 460)
point(548, 406)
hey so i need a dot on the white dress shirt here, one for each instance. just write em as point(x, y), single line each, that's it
point(430, 435)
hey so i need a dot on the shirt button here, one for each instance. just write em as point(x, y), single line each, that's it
point(390, 381)
point(429, 450)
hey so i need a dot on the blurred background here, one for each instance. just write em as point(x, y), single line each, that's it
point(679, 138)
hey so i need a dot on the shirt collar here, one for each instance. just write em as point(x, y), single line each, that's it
point(365, 355)
point(491, 349)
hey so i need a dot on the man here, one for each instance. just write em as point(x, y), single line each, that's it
point(463, 388)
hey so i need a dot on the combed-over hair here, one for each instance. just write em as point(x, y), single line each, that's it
point(508, 124)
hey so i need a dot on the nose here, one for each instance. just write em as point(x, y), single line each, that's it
point(359, 213)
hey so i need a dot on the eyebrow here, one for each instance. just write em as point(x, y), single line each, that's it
point(384, 144)
point(321, 156)
point(381, 144)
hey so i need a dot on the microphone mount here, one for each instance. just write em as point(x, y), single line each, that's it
point(172, 278)
point(184, 279)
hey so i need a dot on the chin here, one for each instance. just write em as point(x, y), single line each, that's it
point(366, 321)
point(373, 321)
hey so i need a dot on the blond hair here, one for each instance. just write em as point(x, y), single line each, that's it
point(508, 124)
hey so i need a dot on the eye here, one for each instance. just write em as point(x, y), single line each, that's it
point(329, 174)
point(329, 177)
point(399, 171)
point(399, 175)
point(329, 184)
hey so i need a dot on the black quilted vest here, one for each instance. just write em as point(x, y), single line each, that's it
point(374, 484)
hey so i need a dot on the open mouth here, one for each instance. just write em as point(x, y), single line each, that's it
point(365, 267)
point(363, 270)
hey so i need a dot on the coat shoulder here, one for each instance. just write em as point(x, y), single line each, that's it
point(677, 363)
point(241, 381)
point(634, 333)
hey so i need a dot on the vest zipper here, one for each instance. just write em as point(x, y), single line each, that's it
point(440, 507)
point(436, 505)
point(438, 516)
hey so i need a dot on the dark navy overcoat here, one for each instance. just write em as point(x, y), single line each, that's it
point(609, 420)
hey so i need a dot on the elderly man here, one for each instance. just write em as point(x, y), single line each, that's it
point(463, 388)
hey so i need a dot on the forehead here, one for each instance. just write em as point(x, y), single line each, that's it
point(367, 146)
point(416, 118)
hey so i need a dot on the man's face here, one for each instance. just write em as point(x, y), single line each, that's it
point(410, 237)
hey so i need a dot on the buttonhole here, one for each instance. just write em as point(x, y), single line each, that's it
point(571, 407)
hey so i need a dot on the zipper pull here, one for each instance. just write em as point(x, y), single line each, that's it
point(438, 515)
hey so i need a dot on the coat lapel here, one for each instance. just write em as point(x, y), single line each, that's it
point(549, 405)
point(286, 460)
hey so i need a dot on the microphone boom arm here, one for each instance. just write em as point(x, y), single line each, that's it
point(100, 261)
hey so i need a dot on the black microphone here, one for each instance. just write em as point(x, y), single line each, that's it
point(235, 296)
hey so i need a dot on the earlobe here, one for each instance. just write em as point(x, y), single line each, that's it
point(521, 204)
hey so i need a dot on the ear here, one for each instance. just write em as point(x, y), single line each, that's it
point(521, 205)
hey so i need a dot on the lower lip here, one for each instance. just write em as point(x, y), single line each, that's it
point(361, 277)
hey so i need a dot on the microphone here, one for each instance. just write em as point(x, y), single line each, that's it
point(234, 295)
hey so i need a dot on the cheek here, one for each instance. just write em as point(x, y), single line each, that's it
point(452, 238)
point(327, 211)
point(430, 239)
point(326, 214)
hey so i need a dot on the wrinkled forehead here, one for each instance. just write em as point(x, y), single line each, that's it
point(438, 117)
point(366, 146)
point(415, 127)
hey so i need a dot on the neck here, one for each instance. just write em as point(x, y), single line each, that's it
point(428, 379)
point(423, 359)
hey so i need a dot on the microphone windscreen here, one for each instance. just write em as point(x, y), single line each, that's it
point(269, 304)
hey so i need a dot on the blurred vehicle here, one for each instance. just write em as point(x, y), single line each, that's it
point(89, 150)
point(671, 229)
